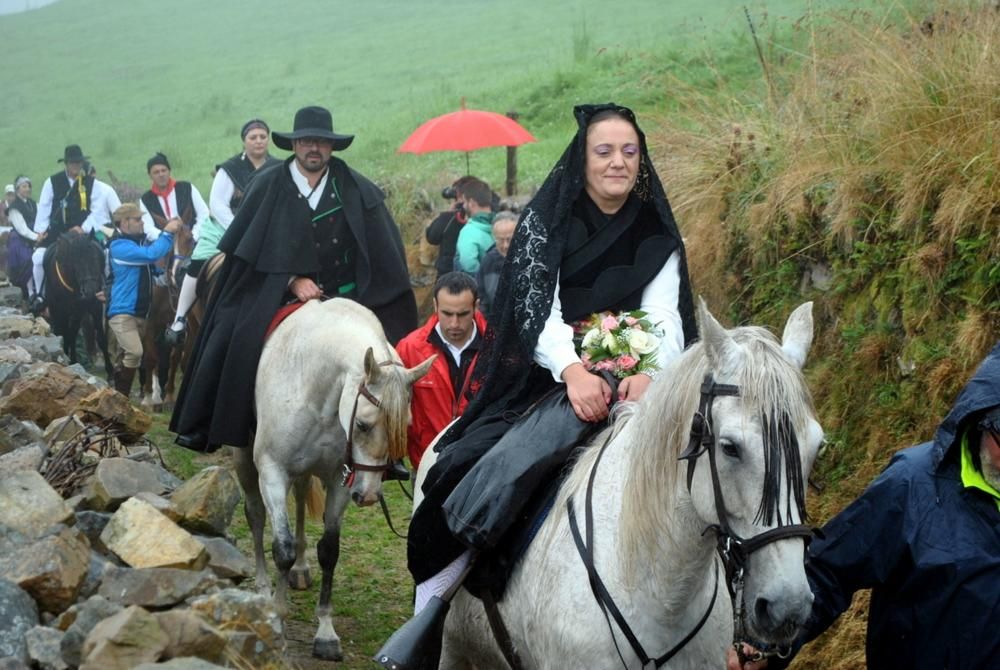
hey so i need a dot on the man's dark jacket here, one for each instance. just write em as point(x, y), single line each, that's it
point(927, 547)
point(269, 241)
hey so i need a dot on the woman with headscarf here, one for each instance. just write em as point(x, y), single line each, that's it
point(598, 236)
point(232, 179)
point(22, 239)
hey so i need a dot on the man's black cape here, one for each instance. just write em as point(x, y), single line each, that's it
point(269, 241)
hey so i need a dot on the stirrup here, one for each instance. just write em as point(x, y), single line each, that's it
point(397, 471)
point(175, 337)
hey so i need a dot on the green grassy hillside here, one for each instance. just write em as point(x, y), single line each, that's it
point(125, 78)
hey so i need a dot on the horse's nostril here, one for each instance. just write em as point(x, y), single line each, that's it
point(356, 497)
point(761, 612)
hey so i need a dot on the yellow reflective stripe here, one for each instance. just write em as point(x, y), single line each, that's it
point(972, 478)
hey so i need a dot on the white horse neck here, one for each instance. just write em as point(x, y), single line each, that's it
point(674, 569)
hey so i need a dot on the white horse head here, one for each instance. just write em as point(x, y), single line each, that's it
point(379, 406)
point(766, 441)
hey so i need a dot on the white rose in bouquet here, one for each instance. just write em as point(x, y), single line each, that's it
point(591, 338)
point(641, 342)
point(610, 343)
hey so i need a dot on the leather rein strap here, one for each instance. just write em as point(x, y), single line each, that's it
point(600, 591)
point(733, 550)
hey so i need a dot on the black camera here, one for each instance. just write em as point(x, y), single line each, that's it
point(449, 193)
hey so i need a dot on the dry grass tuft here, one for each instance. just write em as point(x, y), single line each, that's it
point(977, 333)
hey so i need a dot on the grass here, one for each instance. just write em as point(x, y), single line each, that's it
point(86, 75)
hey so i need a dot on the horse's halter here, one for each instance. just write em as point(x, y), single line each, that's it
point(734, 551)
point(350, 467)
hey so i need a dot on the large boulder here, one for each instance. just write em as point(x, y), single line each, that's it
point(13, 361)
point(18, 325)
point(225, 560)
point(45, 392)
point(144, 538)
point(117, 479)
point(186, 663)
point(51, 569)
point(28, 504)
point(18, 615)
point(25, 458)
point(15, 433)
point(78, 621)
point(206, 502)
point(124, 641)
point(190, 635)
point(42, 348)
point(106, 403)
point(43, 648)
point(250, 621)
point(155, 588)
point(64, 428)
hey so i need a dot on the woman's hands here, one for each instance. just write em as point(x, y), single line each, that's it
point(632, 388)
point(305, 289)
point(589, 394)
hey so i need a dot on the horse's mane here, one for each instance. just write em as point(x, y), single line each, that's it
point(395, 399)
point(659, 426)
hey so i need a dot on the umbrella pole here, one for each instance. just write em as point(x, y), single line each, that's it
point(467, 170)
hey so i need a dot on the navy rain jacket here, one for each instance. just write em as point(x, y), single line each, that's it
point(927, 547)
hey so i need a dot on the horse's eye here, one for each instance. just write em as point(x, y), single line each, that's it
point(730, 448)
point(362, 426)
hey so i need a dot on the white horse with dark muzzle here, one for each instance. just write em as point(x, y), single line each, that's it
point(333, 402)
point(690, 506)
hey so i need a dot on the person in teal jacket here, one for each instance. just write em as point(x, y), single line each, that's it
point(476, 237)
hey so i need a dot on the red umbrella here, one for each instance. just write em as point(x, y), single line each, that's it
point(466, 130)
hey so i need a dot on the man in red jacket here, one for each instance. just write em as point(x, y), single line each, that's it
point(454, 333)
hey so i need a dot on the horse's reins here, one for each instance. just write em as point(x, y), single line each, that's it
point(600, 591)
point(350, 467)
point(733, 550)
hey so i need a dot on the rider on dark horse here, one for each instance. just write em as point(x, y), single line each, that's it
point(71, 201)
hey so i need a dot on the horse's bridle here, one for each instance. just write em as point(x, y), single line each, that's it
point(350, 467)
point(733, 550)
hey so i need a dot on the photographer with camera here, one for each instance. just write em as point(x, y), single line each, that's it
point(444, 229)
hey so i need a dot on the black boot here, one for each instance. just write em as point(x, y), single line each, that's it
point(397, 471)
point(123, 380)
point(416, 645)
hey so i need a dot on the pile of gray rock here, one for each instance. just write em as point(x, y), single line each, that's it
point(132, 567)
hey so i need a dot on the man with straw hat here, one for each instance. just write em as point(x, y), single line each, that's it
point(307, 229)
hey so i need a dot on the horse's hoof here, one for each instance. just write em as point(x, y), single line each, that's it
point(328, 650)
point(299, 579)
point(157, 408)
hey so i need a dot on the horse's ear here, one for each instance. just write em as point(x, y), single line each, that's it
point(798, 335)
point(419, 371)
point(372, 368)
point(718, 343)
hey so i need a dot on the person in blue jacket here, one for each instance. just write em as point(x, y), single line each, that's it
point(925, 538)
point(132, 286)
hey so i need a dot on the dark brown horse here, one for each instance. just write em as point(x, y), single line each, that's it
point(161, 361)
point(74, 275)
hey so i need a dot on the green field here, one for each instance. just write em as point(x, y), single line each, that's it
point(126, 78)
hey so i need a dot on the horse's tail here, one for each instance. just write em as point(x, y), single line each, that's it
point(315, 499)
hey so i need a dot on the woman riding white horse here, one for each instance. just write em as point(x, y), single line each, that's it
point(653, 527)
point(332, 402)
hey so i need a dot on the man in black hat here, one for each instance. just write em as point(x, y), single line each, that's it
point(309, 228)
point(71, 200)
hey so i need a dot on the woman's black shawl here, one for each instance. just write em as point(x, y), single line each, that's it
point(528, 279)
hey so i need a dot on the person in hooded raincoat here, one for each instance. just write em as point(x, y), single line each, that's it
point(925, 538)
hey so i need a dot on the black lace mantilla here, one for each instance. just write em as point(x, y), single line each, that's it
point(528, 279)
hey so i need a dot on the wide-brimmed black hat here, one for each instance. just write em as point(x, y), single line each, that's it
point(312, 122)
point(73, 154)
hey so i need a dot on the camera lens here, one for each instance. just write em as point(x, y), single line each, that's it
point(449, 193)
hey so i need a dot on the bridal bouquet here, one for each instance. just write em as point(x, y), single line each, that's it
point(623, 344)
